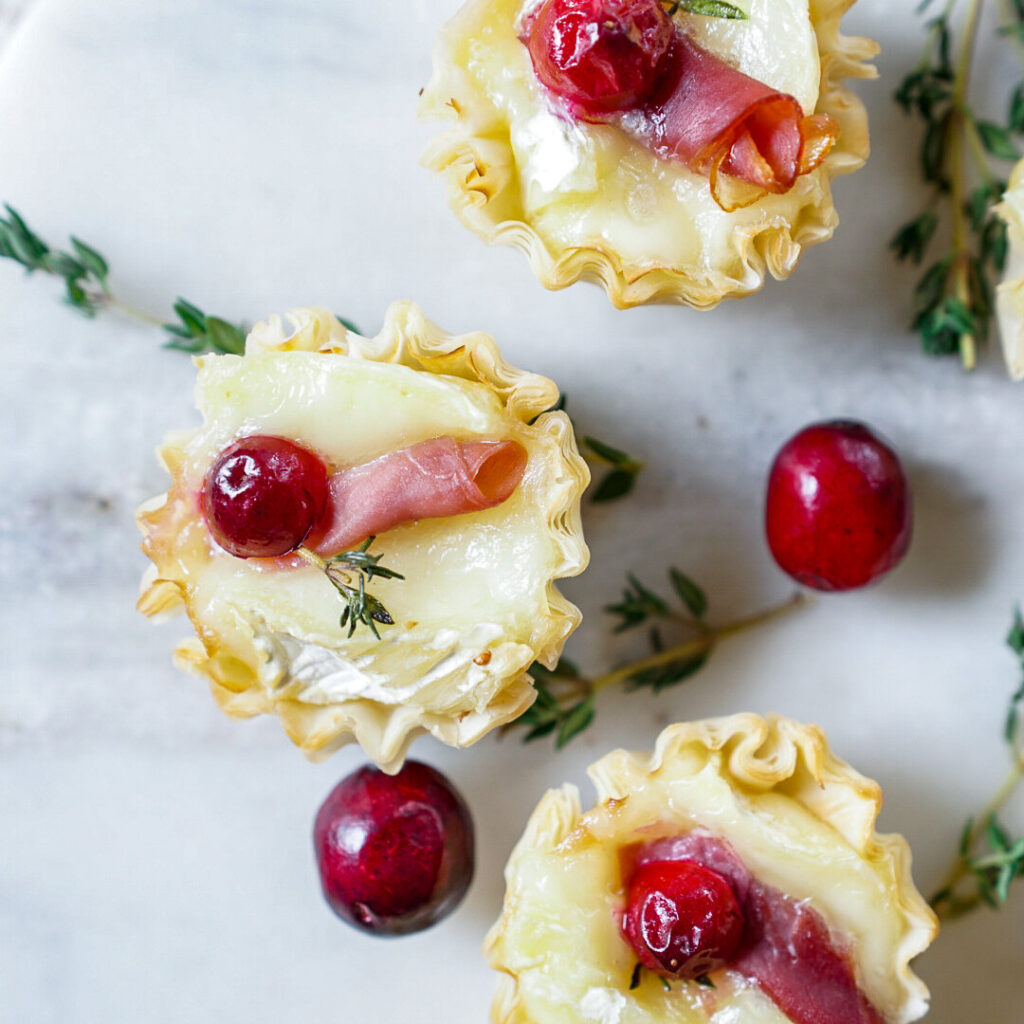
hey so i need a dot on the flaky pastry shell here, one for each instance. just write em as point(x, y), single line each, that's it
point(1010, 293)
point(485, 185)
point(797, 815)
point(455, 662)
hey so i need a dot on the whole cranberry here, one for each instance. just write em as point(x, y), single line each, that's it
point(262, 496)
point(838, 509)
point(600, 55)
point(682, 918)
point(395, 852)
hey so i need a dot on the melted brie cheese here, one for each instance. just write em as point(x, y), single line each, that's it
point(583, 184)
point(473, 583)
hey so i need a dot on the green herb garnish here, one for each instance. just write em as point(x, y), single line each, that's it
point(962, 159)
point(988, 858)
point(87, 289)
point(349, 573)
point(565, 704)
point(708, 8)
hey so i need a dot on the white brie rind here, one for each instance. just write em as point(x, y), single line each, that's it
point(1010, 293)
point(584, 201)
point(800, 819)
point(478, 604)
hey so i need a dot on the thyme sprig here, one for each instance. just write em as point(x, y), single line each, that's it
point(349, 572)
point(953, 298)
point(708, 8)
point(87, 289)
point(566, 698)
point(988, 859)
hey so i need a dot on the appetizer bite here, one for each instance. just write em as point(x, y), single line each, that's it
point(733, 874)
point(365, 532)
point(1010, 294)
point(670, 156)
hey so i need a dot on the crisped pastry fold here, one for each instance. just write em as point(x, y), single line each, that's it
point(1010, 293)
point(478, 604)
point(583, 202)
point(799, 818)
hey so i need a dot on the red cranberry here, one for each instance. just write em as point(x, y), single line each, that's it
point(395, 852)
point(263, 495)
point(600, 55)
point(838, 510)
point(682, 918)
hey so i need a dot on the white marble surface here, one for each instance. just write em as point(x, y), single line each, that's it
point(155, 861)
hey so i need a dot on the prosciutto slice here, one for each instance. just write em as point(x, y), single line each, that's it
point(787, 949)
point(719, 121)
point(430, 480)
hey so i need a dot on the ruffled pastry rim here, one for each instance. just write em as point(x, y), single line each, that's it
point(763, 753)
point(384, 732)
point(472, 166)
point(1010, 292)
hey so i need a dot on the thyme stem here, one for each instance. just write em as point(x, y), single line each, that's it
point(947, 905)
point(959, 128)
point(701, 645)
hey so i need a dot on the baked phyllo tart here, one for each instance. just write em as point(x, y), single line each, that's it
point(366, 532)
point(1010, 294)
point(670, 156)
point(733, 875)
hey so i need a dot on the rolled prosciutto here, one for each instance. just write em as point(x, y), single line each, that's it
point(718, 121)
point(433, 479)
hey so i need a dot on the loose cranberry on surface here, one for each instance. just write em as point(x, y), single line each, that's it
point(838, 509)
point(395, 852)
point(600, 55)
point(682, 918)
point(263, 495)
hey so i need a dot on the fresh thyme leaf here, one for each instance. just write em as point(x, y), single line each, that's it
point(361, 607)
point(634, 981)
point(578, 718)
point(1015, 115)
point(912, 239)
point(996, 139)
point(347, 324)
point(664, 983)
point(995, 243)
point(196, 332)
point(692, 596)
point(638, 604)
point(615, 484)
point(708, 8)
point(704, 981)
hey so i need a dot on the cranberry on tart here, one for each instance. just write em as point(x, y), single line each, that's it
point(733, 875)
point(366, 532)
point(1010, 293)
point(672, 157)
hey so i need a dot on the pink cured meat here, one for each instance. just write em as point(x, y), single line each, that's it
point(787, 948)
point(430, 480)
point(717, 119)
